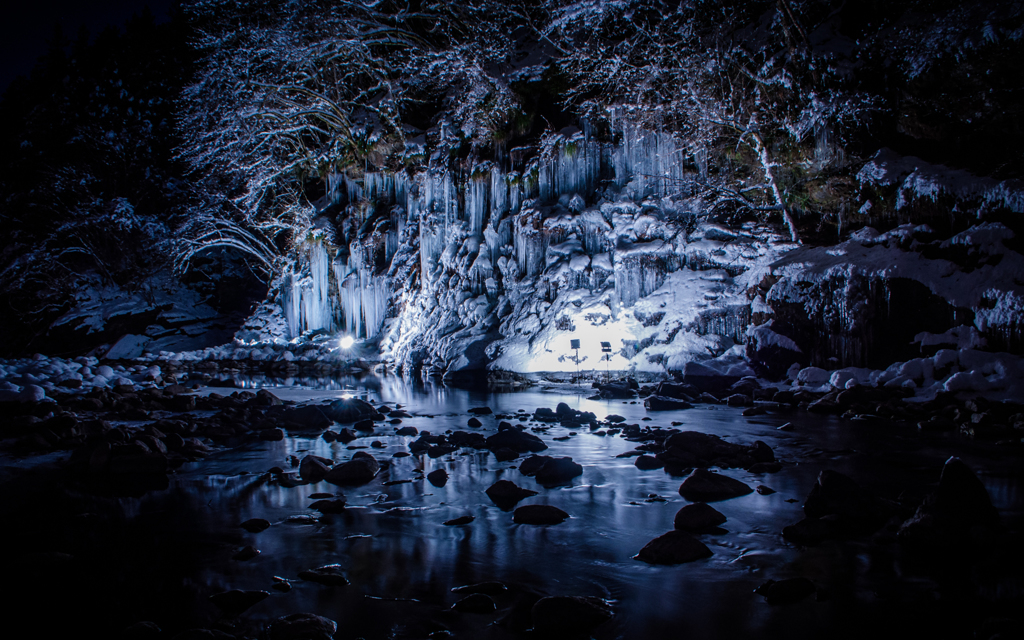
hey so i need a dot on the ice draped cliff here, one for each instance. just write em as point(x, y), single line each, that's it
point(500, 267)
point(467, 187)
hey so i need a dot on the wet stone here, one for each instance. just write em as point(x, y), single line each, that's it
point(674, 547)
point(438, 477)
point(569, 616)
point(539, 514)
point(246, 553)
point(786, 591)
point(331, 575)
point(491, 588)
point(329, 506)
point(255, 525)
point(698, 517)
point(475, 603)
point(647, 463)
point(506, 494)
point(461, 520)
point(236, 601)
point(704, 486)
point(302, 626)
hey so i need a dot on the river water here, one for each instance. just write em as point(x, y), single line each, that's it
point(160, 556)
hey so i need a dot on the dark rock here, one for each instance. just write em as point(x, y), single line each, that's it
point(438, 477)
point(349, 410)
point(141, 631)
point(335, 505)
point(362, 468)
point(569, 616)
point(677, 391)
point(439, 450)
point(809, 532)
point(272, 435)
point(738, 400)
point(698, 517)
point(491, 588)
point(305, 417)
point(330, 575)
point(703, 486)
point(236, 601)
point(481, 411)
point(313, 469)
point(837, 494)
point(674, 547)
point(364, 426)
point(825, 405)
point(538, 514)
point(255, 525)
point(614, 418)
point(475, 603)
point(761, 452)
point(506, 494)
point(558, 471)
point(616, 390)
point(550, 471)
point(543, 414)
point(516, 440)
point(461, 520)
point(406, 431)
point(948, 519)
point(647, 463)
point(763, 490)
point(321, 496)
point(345, 436)
point(505, 454)
point(474, 423)
point(765, 467)
point(706, 379)
point(664, 403)
point(246, 553)
point(302, 626)
point(786, 591)
point(203, 634)
point(263, 398)
point(532, 464)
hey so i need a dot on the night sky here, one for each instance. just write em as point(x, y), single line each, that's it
point(27, 27)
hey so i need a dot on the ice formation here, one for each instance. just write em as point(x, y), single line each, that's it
point(499, 264)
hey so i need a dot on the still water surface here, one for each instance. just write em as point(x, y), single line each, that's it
point(159, 557)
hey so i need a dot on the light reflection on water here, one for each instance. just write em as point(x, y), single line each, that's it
point(392, 543)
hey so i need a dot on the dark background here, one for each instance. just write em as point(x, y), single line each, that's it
point(28, 27)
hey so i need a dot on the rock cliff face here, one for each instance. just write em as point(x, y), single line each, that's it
point(501, 269)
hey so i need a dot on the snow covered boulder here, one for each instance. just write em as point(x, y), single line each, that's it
point(32, 393)
point(707, 379)
point(661, 403)
point(771, 353)
point(813, 376)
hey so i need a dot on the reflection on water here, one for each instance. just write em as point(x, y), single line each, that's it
point(162, 555)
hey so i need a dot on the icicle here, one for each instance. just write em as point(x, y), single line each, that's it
point(477, 189)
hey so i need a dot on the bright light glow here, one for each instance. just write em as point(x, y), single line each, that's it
point(346, 342)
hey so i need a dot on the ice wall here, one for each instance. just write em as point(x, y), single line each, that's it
point(577, 237)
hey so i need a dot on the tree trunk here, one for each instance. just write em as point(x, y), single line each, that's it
point(762, 154)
